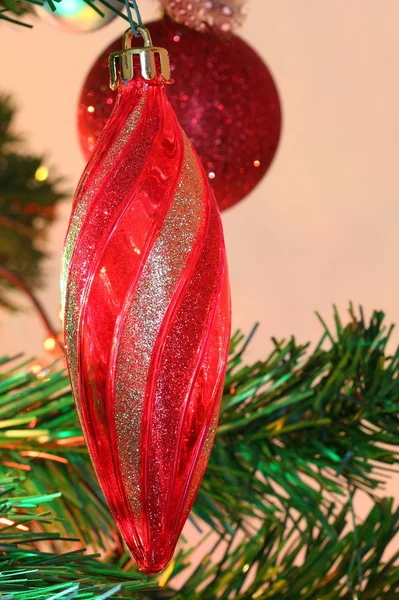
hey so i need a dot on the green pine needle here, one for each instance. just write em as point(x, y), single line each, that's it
point(28, 572)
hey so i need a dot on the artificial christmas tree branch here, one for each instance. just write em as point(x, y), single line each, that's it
point(328, 417)
point(295, 429)
point(27, 572)
point(28, 199)
point(276, 562)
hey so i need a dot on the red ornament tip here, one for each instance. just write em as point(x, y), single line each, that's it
point(152, 565)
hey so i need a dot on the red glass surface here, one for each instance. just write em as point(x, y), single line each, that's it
point(223, 95)
point(147, 319)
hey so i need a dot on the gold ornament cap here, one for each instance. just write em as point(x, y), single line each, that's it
point(148, 64)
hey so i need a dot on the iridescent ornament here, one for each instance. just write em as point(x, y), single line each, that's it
point(146, 310)
point(224, 97)
point(77, 16)
point(201, 14)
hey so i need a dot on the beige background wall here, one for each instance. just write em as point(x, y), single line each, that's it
point(323, 225)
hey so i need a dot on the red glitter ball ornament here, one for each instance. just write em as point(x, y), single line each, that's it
point(146, 313)
point(223, 95)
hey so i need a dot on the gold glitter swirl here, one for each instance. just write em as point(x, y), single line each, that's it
point(72, 284)
point(146, 313)
point(83, 204)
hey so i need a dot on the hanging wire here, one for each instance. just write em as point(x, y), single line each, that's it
point(139, 23)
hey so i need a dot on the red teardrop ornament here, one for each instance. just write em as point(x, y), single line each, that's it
point(146, 318)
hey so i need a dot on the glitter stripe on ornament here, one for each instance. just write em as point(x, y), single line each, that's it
point(86, 191)
point(146, 310)
point(123, 258)
point(100, 195)
point(98, 203)
point(77, 256)
point(79, 248)
point(180, 364)
point(202, 315)
point(157, 388)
